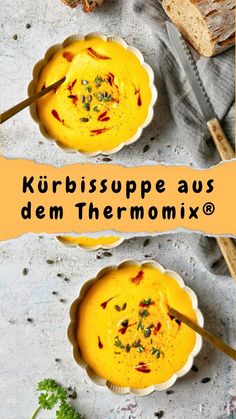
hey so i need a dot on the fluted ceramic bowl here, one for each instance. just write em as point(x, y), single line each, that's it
point(103, 382)
point(90, 248)
point(55, 48)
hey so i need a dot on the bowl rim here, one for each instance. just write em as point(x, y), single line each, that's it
point(103, 382)
point(77, 37)
point(118, 242)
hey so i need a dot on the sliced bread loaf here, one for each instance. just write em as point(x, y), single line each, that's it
point(209, 25)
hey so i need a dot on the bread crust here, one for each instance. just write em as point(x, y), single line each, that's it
point(72, 3)
point(209, 25)
point(88, 5)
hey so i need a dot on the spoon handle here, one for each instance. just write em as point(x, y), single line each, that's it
point(22, 105)
point(218, 343)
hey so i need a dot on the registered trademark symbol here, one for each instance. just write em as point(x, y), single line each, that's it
point(209, 208)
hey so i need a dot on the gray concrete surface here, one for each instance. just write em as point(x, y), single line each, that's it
point(28, 349)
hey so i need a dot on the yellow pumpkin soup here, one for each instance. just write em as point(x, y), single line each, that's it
point(103, 101)
point(125, 332)
point(88, 242)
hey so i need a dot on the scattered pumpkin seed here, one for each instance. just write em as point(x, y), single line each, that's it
point(84, 119)
point(125, 322)
point(107, 254)
point(124, 306)
point(159, 414)
point(169, 392)
point(84, 82)
point(25, 271)
point(146, 148)
point(89, 98)
point(117, 307)
point(87, 106)
point(206, 380)
point(146, 242)
point(82, 98)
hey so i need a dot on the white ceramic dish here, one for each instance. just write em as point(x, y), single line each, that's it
point(101, 381)
point(55, 48)
point(91, 248)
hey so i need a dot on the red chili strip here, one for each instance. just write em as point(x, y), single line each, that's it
point(110, 78)
point(142, 367)
point(71, 85)
point(55, 114)
point(102, 115)
point(100, 345)
point(170, 316)
point(157, 328)
point(68, 55)
point(123, 329)
point(139, 100)
point(138, 278)
point(98, 131)
point(105, 119)
point(96, 55)
point(143, 305)
point(103, 305)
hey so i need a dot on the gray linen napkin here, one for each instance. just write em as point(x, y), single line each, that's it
point(217, 74)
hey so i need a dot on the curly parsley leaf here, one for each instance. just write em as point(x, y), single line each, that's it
point(53, 395)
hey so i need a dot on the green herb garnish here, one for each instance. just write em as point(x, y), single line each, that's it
point(98, 80)
point(140, 348)
point(140, 325)
point(147, 332)
point(96, 109)
point(127, 347)
point(118, 343)
point(143, 313)
point(136, 343)
point(147, 302)
point(156, 352)
point(107, 98)
point(89, 89)
point(54, 395)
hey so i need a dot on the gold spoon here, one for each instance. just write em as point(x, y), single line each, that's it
point(22, 105)
point(218, 343)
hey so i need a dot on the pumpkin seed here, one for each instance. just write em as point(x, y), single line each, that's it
point(84, 119)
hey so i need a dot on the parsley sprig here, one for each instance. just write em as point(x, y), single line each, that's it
point(52, 394)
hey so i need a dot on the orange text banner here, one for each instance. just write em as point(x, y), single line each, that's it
point(84, 198)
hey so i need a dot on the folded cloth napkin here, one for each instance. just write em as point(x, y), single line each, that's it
point(217, 74)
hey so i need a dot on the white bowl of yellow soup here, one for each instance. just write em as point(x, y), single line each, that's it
point(122, 333)
point(106, 100)
point(91, 243)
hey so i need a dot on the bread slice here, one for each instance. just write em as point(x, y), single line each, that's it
point(209, 25)
point(88, 5)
